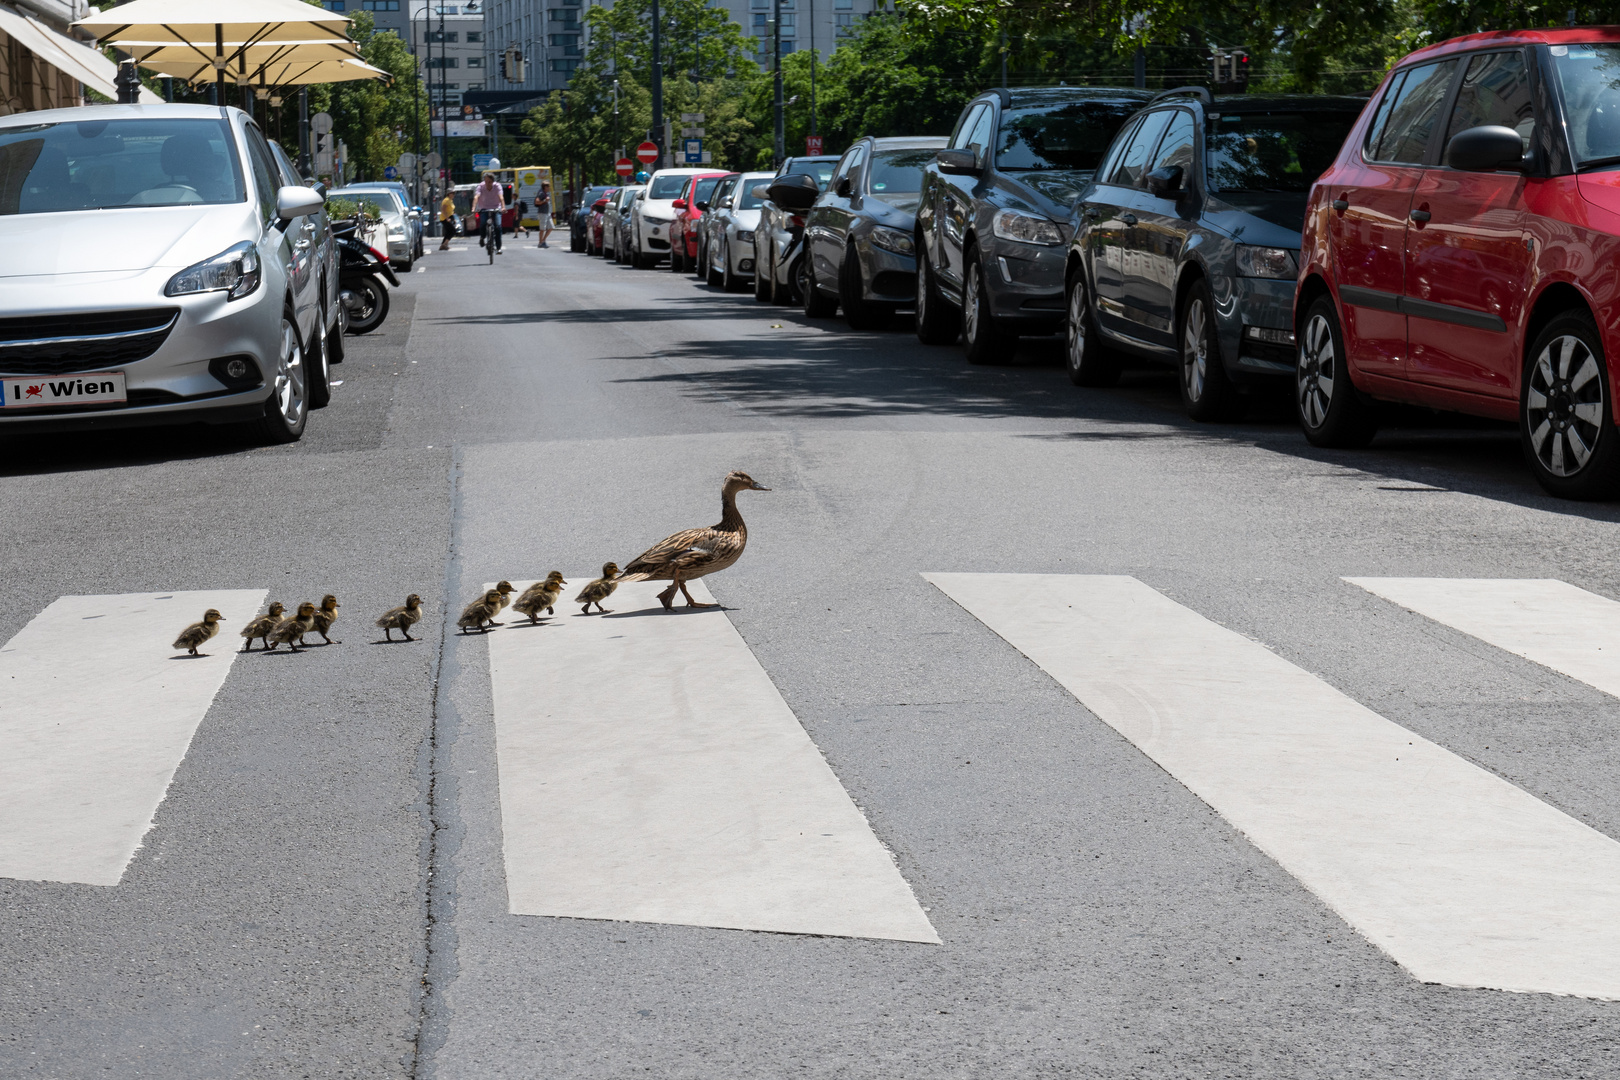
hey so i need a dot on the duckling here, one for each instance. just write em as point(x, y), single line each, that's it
point(261, 626)
point(199, 632)
point(505, 589)
point(480, 611)
point(325, 616)
point(402, 618)
point(695, 553)
point(599, 590)
point(292, 630)
point(541, 596)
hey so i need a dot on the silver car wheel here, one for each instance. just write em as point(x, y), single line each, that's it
point(1194, 352)
point(970, 303)
point(1564, 405)
point(1318, 368)
point(289, 382)
point(1078, 318)
point(922, 289)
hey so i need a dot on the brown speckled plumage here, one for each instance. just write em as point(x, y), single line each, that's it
point(199, 632)
point(261, 626)
point(541, 596)
point(695, 553)
point(599, 590)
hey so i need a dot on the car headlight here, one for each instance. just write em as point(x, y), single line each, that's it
point(745, 236)
point(234, 271)
point(1266, 262)
point(653, 219)
point(892, 240)
point(1025, 228)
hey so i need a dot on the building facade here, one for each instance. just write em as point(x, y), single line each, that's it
point(42, 65)
point(549, 33)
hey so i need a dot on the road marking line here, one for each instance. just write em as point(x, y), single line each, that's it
point(95, 716)
point(1546, 621)
point(1460, 876)
point(651, 772)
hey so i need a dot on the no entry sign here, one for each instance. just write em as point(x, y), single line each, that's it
point(647, 152)
point(625, 166)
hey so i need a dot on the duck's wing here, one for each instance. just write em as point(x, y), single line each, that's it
point(390, 618)
point(688, 550)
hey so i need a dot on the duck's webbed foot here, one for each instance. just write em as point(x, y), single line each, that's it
point(691, 602)
point(667, 597)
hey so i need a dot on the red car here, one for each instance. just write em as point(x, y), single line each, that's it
point(1463, 252)
point(683, 231)
point(593, 225)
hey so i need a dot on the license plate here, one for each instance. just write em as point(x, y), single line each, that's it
point(97, 388)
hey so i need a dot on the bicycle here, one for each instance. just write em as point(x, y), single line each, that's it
point(488, 223)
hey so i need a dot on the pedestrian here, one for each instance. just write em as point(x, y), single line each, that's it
point(447, 221)
point(542, 212)
point(517, 223)
point(488, 198)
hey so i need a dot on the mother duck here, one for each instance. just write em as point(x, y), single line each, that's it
point(695, 552)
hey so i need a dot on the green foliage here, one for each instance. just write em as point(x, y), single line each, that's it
point(697, 42)
point(340, 208)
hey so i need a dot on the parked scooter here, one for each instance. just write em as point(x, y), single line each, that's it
point(365, 301)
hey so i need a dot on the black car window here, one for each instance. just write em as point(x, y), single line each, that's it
point(897, 172)
point(1176, 149)
point(1588, 75)
point(748, 200)
point(667, 187)
point(705, 188)
point(1272, 151)
point(1072, 136)
point(978, 139)
point(1403, 138)
point(265, 173)
point(1121, 141)
point(964, 129)
point(846, 164)
point(820, 171)
point(1133, 163)
point(1495, 90)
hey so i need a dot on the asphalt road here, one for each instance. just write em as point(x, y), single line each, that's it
point(323, 892)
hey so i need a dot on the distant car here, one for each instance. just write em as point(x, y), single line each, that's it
point(730, 226)
point(654, 213)
point(778, 228)
point(156, 269)
point(992, 219)
point(593, 224)
point(683, 231)
point(727, 184)
point(615, 221)
point(396, 224)
point(579, 218)
point(859, 234)
point(413, 214)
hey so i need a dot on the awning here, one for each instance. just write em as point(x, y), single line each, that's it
point(74, 59)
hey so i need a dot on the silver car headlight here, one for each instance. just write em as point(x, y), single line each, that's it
point(745, 236)
point(892, 240)
point(1266, 262)
point(653, 219)
point(1025, 228)
point(234, 271)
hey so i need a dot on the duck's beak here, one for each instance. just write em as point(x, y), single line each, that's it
point(758, 487)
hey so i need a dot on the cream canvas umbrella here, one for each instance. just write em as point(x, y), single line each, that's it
point(195, 65)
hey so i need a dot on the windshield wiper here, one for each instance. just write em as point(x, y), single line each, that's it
point(1598, 163)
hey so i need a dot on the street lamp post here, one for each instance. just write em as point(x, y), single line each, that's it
point(776, 64)
point(657, 85)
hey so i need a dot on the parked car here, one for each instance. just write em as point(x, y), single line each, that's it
point(155, 269)
point(325, 255)
point(726, 185)
point(413, 213)
point(1183, 245)
point(991, 219)
point(615, 220)
point(1461, 252)
point(858, 235)
point(731, 226)
point(683, 230)
point(579, 218)
point(593, 223)
point(396, 226)
point(779, 227)
point(654, 213)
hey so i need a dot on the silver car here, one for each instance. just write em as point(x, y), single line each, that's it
point(156, 269)
point(395, 215)
point(414, 218)
point(616, 223)
point(731, 223)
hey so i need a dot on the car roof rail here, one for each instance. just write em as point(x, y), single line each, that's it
point(1199, 91)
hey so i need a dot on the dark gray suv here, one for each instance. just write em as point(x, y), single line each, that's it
point(993, 211)
point(1185, 246)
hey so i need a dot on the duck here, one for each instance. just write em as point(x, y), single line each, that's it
point(506, 590)
point(696, 553)
point(292, 630)
point(325, 616)
point(541, 596)
point(480, 611)
point(199, 632)
point(402, 618)
point(599, 590)
point(261, 626)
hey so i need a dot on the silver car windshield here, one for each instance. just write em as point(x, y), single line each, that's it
point(118, 164)
point(1589, 78)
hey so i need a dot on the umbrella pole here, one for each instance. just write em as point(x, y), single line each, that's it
point(219, 64)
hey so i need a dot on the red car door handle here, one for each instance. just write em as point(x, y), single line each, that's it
point(1420, 216)
point(1341, 205)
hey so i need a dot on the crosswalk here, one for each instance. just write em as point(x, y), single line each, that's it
point(649, 770)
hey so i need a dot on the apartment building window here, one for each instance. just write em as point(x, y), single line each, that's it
point(843, 5)
point(438, 62)
point(761, 20)
point(760, 5)
point(787, 47)
point(844, 23)
point(567, 67)
point(379, 5)
point(475, 86)
point(442, 36)
point(334, 5)
point(475, 61)
point(475, 36)
point(565, 40)
point(564, 15)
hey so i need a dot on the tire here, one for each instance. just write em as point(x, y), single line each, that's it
point(677, 256)
point(817, 304)
point(370, 306)
point(286, 413)
point(859, 312)
point(318, 366)
point(984, 341)
point(577, 245)
point(1207, 392)
point(762, 281)
point(1330, 413)
point(1566, 414)
point(701, 267)
point(937, 322)
point(714, 277)
point(1089, 363)
point(730, 280)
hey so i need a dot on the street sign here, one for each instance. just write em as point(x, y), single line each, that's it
point(390, 173)
point(692, 133)
point(434, 161)
point(481, 161)
point(693, 149)
point(647, 153)
point(406, 163)
point(321, 123)
point(812, 146)
point(625, 166)
point(691, 118)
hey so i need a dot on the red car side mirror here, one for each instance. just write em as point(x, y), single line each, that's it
point(680, 204)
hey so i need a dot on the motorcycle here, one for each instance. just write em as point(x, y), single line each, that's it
point(365, 301)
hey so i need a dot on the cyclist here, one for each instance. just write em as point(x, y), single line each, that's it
point(489, 203)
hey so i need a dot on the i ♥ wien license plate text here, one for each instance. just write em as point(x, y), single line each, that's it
point(31, 391)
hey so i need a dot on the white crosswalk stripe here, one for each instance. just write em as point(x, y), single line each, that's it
point(96, 713)
point(1546, 621)
point(651, 772)
point(1460, 876)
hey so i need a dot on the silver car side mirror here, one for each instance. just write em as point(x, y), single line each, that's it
point(296, 202)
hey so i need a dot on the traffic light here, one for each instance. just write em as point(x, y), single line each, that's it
point(1230, 69)
point(512, 65)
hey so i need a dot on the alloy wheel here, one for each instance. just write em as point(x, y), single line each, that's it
point(1078, 318)
point(1564, 405)
point(1194, 352)
point(970, 303)
point(922, 289)
point(290, 375)
point(1317, 371)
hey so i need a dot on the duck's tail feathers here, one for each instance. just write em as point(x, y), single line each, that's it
point(638, 575)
